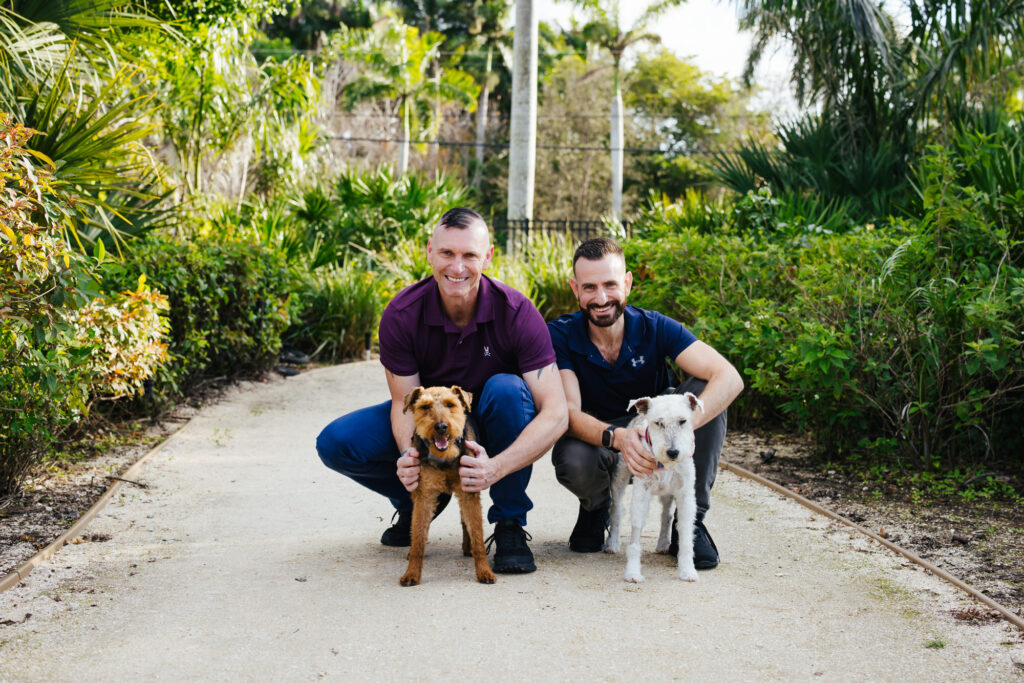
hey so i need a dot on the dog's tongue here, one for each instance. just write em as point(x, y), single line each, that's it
point(441, 443)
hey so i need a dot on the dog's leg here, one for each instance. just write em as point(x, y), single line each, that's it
point(665, 535)
point(424, 499)
point(637, 517)
point(473, 522)
point(617, 490)
point(686, 503)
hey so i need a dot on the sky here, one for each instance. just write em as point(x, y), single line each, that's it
point(704, 32)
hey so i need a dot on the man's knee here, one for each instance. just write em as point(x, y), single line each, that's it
point(578, 466)
point(503, 389)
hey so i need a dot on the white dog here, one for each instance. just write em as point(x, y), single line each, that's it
point(667, 424)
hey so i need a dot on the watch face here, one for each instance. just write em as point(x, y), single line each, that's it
point(606, 438)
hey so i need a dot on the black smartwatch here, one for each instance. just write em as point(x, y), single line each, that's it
point(608, 436)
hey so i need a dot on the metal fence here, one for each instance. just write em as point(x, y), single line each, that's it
point(515, 231)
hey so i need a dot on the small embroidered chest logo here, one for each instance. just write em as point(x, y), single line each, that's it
point(638, 361)
point(487, 352)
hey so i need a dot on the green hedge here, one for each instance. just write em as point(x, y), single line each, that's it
point(906, 341)
point(228, 304)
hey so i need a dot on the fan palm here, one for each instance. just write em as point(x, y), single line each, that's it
point(62, 76)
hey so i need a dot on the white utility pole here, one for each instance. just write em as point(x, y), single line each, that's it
point(522, 153)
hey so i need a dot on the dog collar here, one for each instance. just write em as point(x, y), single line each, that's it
point(647, 436)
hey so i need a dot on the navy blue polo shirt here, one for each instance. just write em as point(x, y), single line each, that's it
point(507, 334)
point(640, 369)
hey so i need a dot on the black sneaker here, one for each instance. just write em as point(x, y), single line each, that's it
point(512, 556)
point(705, 552)
point(588, 534)
point(399, 534)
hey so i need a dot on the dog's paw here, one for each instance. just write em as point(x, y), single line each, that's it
point(486, 577)
point(634, 577)
point(688, 574)
point(409, 580)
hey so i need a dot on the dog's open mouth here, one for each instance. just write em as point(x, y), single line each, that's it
point(441, 443)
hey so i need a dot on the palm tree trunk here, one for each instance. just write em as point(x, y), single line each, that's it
point(617, 154)
point(481, 123)
point(522, 153)
point(403, 141)
point(481, 131)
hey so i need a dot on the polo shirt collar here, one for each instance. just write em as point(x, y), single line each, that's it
point(433, 312)
point(579, 340)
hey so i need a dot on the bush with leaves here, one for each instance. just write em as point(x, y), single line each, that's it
point(906, 342)
point(40, 370)
point(125, 335)
point(228, 302)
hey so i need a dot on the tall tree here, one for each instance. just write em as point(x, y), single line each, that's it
point(604, 28)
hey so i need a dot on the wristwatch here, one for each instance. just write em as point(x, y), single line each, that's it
point(608, 436)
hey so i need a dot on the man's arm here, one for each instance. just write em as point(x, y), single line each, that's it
point(544, 429)
point(724, 381)
point(403, 426)
point(587, 428)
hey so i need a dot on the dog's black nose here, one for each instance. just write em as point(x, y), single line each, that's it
point(441, 428)
point(672, 453)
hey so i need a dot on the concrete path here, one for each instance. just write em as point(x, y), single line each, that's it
point(246, 559)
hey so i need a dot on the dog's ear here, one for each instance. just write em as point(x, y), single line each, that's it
point(464, 396)
point(411, 398)
point(641, 405)
point(694, 402)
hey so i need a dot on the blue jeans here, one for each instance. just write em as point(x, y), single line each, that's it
point(361, 446)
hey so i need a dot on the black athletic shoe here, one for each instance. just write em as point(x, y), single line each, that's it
point(399, 534)
point(512, 556)
point(705, 552)
point(588, 534)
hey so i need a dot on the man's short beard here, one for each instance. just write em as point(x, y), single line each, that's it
point(618, 308)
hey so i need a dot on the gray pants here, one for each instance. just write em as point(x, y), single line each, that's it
point(587, 470)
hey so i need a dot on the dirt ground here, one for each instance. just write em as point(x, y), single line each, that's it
point(982, 543)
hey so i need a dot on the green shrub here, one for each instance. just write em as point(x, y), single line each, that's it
point(42, 387)
point(228, 304)
point(340, 305)
point(905, 341)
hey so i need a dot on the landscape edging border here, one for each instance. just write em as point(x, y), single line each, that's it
point(19, 574)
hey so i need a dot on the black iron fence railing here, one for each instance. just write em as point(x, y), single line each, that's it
point(514, 231)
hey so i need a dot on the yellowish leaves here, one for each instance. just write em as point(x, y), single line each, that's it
point(125, 336)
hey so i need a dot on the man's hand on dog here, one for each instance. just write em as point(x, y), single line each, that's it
point(478, 471)
point(633, 447)
point(409, 469)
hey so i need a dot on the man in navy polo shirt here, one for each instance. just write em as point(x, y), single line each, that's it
point(609, 354)
point(459, 327)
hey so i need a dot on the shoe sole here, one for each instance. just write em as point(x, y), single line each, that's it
point(586, 549)
point(517, 569)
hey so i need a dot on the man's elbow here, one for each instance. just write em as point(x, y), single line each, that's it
point(736, 382)
point(561, 418)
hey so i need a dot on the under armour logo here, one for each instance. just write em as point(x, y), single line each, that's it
point(487, 352)
point(638, 361)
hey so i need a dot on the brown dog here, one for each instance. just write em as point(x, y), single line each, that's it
point(441, 430)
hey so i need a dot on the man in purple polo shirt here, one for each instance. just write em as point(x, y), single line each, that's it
point(460, 327)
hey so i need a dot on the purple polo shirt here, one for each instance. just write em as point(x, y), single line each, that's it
point(507, 334)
